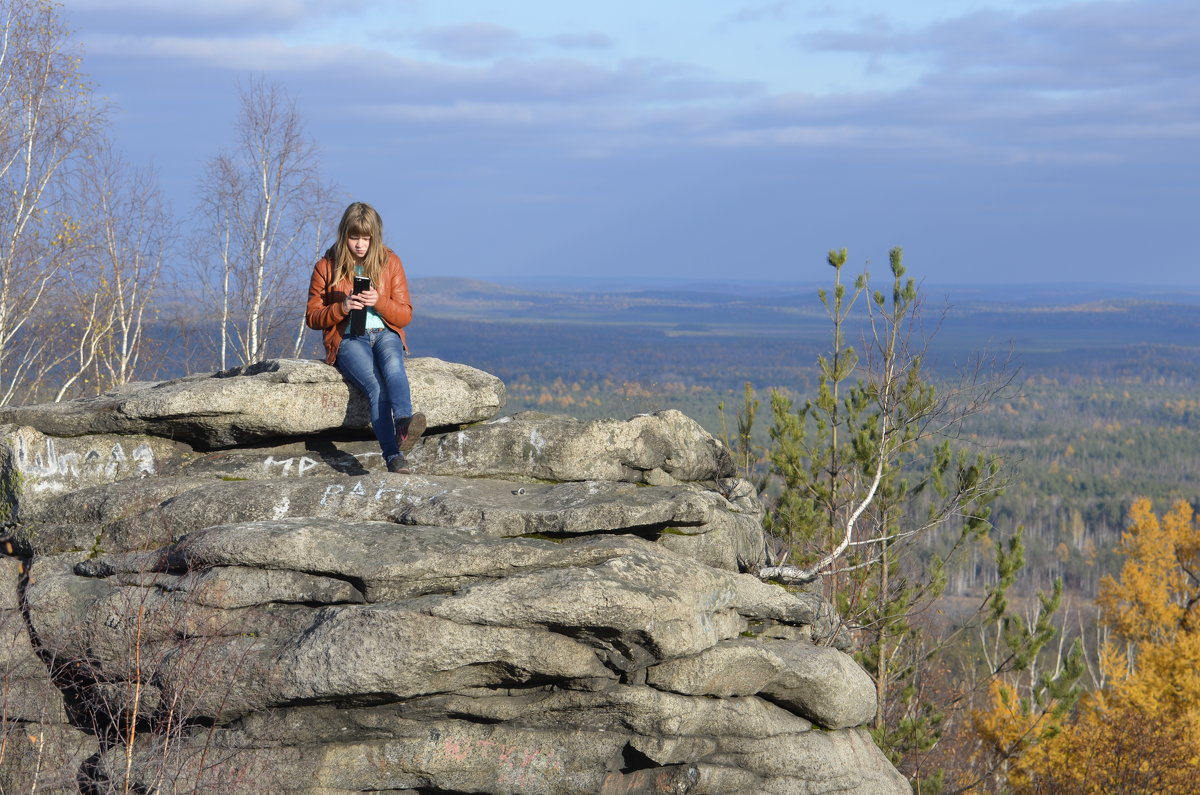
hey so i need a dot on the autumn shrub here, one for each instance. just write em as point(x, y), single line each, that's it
point(1139, 732)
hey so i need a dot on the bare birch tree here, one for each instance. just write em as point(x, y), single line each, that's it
point(80, 336)
point(262, 200)
point(131, 232)
point(47, 113)
point(320, 232)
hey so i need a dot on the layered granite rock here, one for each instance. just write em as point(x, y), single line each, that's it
point(544, 606)
point(41, 749)
point(267, 400)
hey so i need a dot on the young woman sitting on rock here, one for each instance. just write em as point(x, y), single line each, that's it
point(371, 358)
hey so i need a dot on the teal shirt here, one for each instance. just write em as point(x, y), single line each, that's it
point(373, 318)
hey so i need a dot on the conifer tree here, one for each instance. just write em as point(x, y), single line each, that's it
point(864, 473)
point(1025, 705)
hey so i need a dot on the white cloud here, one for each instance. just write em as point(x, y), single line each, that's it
point(591, 40)
point(243, 53)
point(1088, 45)
point(1018, 126)
point(1087, 82)
point(775, 11)
point(204, 17)
point(210, 8)
point(1056, 83)
point(473, 41)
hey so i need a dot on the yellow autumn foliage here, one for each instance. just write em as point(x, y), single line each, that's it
point(1140, 732)
point(1149, 603)
point(1011, 726)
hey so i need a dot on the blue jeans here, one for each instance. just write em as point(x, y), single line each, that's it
point(374, 363)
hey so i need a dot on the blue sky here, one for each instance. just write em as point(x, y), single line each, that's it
point(998, 141)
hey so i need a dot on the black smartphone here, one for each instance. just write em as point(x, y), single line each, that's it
point(358, 317)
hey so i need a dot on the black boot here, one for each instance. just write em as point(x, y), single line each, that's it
point(409, 430)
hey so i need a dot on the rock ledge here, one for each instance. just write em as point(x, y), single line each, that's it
point(217, 585)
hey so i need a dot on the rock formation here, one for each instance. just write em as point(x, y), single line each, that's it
point(214, 583)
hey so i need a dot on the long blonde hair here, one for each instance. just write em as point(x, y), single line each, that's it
point(359, 220)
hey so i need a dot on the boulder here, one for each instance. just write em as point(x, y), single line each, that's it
point(45, 757)
point(27, 692)
point(37, 467)
point(662, 448)
point(270, 399)
point(42, 750)
point(821, 683)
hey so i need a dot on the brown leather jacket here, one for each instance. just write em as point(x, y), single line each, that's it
point(325, 302)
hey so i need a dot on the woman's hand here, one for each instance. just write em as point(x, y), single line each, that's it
point(359, 300)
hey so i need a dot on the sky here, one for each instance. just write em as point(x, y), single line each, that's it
point(630, 141)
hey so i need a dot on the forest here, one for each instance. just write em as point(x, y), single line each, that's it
point(1094, 426)
point(1103, 407)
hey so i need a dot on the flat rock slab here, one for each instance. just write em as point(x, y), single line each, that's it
point(664, 448)
point(101, 518)
point(660, 448)
point(39, 467)
point(396, 561)
point(693, 520)
point(306, 611)
point(271, 399)
point(534, 742)
point(317, 457)
point(822, 683)
point(142, 514)
point(389, 561)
